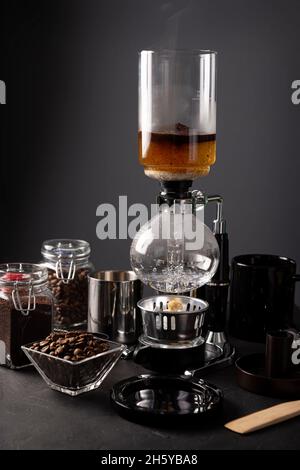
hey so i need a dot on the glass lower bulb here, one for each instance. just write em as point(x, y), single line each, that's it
point(174, 253)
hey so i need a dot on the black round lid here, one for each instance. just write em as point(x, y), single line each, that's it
point(165, 397)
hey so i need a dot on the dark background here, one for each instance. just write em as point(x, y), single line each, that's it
point(69, 128)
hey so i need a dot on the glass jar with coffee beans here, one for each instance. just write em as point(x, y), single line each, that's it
point(68, 267)
point(26, 310)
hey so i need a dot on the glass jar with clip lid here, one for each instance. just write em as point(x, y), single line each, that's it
point(68, 267)
point(26, 310)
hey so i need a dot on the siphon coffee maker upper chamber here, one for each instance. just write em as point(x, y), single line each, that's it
point(177, 113)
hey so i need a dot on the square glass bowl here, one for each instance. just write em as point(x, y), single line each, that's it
point(78, 377)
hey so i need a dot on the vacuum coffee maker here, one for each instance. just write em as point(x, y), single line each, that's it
point(175, 253)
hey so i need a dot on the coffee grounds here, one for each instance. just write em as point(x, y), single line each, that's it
point(17, 329)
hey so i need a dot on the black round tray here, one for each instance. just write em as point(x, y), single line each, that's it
point(160, 398)
point(250, 372)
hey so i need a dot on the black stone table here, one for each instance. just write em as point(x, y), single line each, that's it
point(35, 417)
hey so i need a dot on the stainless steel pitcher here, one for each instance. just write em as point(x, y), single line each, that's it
point(113, 297)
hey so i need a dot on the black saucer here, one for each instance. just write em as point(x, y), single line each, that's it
point(157, 398)
point(251, 376)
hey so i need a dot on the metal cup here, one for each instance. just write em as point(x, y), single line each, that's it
point(113, 297)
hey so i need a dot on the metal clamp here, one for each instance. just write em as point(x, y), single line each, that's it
point(219, 225)
point(200, 200)
point(31, 303)
point(60, 273)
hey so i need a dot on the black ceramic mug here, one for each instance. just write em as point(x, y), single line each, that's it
point(262, 292)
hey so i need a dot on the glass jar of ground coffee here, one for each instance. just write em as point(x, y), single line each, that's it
point(68, 267)
point(26, 310)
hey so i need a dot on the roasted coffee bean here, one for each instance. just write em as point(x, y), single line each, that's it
point(59, 350)
point(54, 336)
point(63, 341)
point(74, 345)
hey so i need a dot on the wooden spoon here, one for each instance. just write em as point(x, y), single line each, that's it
point(264, 418)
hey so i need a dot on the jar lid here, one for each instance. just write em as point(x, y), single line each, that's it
point(65, 248)
point(22, 273)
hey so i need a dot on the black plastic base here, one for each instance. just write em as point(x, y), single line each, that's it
point(170, 361)
point(191, 361)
